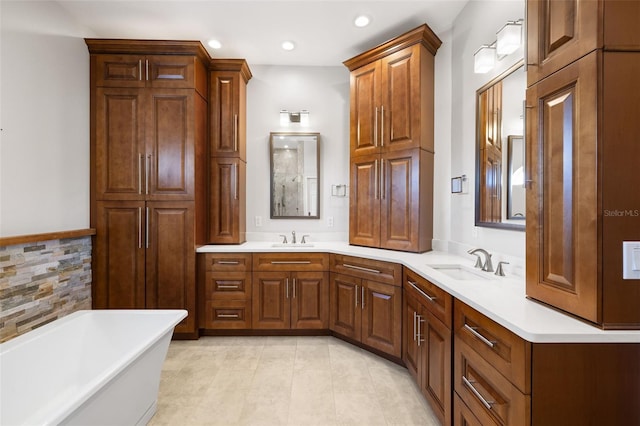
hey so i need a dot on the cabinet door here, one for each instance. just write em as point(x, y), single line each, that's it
point(170, 263)
point(170, 72)
point(169, 161)
point(119, 144)
point(227, 201)
point(271, 300)
point(382, 317)
point(118, 280)
point(227, 121)
point(346, 315)
point(365, 110)
point(410, 348)
point(309, 300)
point(560, 32)
point(119, 70)
point(364, 203)
point(400, 196)
point(562, 203)
point(401, 97)
point(436, 368)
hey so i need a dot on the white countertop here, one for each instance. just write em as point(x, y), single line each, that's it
point(501, 298)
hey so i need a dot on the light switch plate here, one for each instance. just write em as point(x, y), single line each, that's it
point(631, 260)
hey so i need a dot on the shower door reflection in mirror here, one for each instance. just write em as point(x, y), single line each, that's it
point(295, 175)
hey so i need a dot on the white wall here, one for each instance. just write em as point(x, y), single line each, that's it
point(44, 146)
point(477, 24)
point(324, 92)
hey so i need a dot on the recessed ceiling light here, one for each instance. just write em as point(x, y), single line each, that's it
point(362, 21)
point(288, 45)
point(214, 44)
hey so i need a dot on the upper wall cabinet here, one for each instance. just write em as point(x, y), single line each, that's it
point(559, 32)
point(392, 108)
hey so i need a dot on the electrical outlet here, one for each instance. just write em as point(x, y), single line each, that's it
point(330, 221)
point(258, 221)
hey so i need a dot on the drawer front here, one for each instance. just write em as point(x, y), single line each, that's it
point(507, 352)
point(485, 391)
point(433, 298)
point(227, 314)
point(375, 270)
point(463, 416)
point(228, 262)
point(290, 262)
point(228, 285)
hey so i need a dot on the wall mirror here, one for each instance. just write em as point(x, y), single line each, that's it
point(500, 151)
point(295, 175)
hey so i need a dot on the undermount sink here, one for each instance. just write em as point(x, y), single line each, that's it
point(292, 245)
point(462, 272)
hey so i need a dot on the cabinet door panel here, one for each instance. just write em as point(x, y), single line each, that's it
point(227, 91)
point(310, 300)
point(171, 72)
point(364, 203)
point(119, 277)
point(170, 145)
point(382, 317)
point(271, 300)
point(365, 109)
point(170, 280)
point(411, 350)
point(562, 203)
point(227, 213)
point(119, 70)
point(345, 310)
point(436, 382)
point(119, 146)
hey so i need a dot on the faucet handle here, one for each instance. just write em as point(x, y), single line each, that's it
point(284, 239)
point(499, 270)
point(304, 239)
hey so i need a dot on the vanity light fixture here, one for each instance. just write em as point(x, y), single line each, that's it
point(214, 44)
point(509, 38)
point(484, 59)
point(288, 45)
point(362, 21)
point(287, 117)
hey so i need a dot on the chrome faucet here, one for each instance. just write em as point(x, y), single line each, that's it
point(487, 266)
point(293, 234)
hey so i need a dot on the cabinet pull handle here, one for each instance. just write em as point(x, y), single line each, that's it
point(528, 181)
point(362, 294)
point(139, 227)
point(146, 174)
point(361, 268)
point(147, 229)
point(229, 287)
point(140, 69)
point(429, 298)
point(469, 384)
point(419, 321)
point(287, 288)
point(227, 262)
point(375, 179)
point(140, 156)
point(290, 262)
point(382, 125)
point(484, 340)
point(383, 189)
point(228, 316)
point(147, 69)
point(375, 128)
point(415, 316)
point(235, 132)
point(294, 288)
point(356, 295)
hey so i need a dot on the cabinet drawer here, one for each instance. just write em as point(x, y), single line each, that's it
point(489, 395)
point(228, 262)
point(433, 298)
point(227, 314)
point(507, 352)
point(383, 272)
point(228, 285)
point(290, 262)
point(463, 416)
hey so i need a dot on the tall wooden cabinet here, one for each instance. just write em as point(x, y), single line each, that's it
point(391, 143)
point(582, 109)
point(227, 107)
point(148, 131)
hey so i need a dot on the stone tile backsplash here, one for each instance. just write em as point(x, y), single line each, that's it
point(43, 281)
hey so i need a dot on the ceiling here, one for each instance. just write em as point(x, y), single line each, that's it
point(323, 31)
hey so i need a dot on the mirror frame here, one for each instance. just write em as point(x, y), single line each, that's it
point(498, 225)
point(271, 174)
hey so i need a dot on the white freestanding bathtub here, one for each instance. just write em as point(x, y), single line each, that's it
point(87, 368)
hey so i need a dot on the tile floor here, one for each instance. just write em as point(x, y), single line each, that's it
point(284, 381)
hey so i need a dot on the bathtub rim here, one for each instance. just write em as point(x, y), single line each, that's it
point(93, 386)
